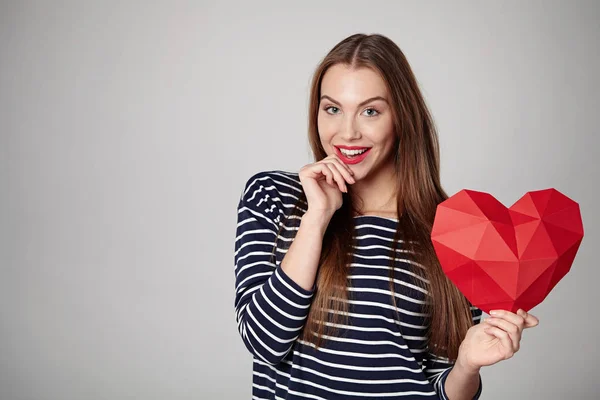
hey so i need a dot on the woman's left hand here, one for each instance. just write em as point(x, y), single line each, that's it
point(495, 339)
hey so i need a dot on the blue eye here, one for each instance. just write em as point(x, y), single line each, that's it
point(372, 109)
point(368, 109)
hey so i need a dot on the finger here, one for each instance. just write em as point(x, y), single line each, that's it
point(343, 170)
point(326, 172)
point(338, 177)
point(504, 340)
point(513, 331)
point(343, 164)
point(530, 319)
point(510, 317)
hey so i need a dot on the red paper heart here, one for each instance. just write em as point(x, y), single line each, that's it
point(507, 258)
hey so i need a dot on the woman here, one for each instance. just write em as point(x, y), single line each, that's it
point(339, 293)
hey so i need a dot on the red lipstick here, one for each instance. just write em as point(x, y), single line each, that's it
point(353, 160)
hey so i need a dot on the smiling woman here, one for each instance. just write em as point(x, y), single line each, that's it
point(355, 115)
point(333, 303)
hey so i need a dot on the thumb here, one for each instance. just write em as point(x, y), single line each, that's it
point(530, 319)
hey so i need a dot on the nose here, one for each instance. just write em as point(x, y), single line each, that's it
point(349, 129)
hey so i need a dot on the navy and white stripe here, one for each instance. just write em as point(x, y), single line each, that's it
point(375, 355)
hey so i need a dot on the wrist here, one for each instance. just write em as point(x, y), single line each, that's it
point(316, 220)
point(465, 367)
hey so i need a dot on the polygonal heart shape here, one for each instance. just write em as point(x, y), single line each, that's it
point(506, 258)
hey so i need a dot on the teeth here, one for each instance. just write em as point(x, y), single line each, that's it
point(352, 152)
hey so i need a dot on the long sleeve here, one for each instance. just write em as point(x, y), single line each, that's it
point(270, 307)
point(437, 369)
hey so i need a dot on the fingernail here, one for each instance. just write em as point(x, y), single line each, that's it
point(494, 312)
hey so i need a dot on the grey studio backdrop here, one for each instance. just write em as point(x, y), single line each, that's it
point(128, 130)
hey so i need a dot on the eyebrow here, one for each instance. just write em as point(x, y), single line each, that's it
point(361, 104)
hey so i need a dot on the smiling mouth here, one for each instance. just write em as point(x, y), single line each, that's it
point(352, 156)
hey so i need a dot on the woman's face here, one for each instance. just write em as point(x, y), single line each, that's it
point(354, 112)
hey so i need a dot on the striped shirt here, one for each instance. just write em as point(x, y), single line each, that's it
point(375, 355)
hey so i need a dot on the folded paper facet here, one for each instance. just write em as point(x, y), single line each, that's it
point(506, 258)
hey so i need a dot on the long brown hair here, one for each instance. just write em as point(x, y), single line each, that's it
point(418, 174)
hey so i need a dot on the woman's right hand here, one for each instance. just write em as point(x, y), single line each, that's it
point(323, 183)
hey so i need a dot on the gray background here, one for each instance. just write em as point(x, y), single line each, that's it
point(129, 129)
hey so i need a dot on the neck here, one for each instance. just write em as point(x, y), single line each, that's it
point(378, 193)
